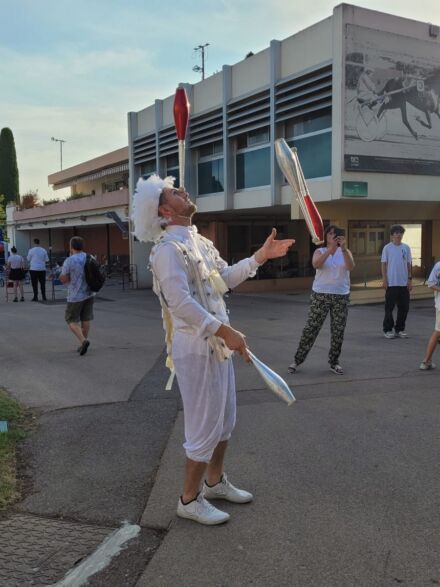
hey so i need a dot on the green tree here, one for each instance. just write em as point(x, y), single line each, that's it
point(8, 167)
point(2, 213)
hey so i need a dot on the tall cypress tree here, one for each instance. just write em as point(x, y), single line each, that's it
point(8, 167)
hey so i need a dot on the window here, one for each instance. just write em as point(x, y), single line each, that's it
point(366, 239)
point(314, 154)
point(253, 168)
point(210, 177)
point(211, 149)
point(210, 169)
point(306, 125)
point(258, 137)
point(312, 136)
point(172, 167)
point(114, 186)
point(252, 163)
point(248, 237)
point(147, 169)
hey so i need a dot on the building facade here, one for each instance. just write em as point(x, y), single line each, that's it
point(357, 94)
point(96, 210)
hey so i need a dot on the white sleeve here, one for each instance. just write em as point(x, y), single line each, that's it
point(434, 276)
point(169, 269)
point(233, 275)
point(384, 258)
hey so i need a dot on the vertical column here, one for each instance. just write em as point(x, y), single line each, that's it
point(228, 152)
point(138, 251)
point(338, 90)
point(107, 231)
point(275, 74)
point(158, 114)
point(132, 133)
point(49, 236)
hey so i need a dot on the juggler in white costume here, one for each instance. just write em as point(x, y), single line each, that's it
point(186, 267)
point(190, 280)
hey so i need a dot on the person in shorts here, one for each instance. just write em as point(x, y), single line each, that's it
point(79, 309)
point(15, 266)
point(433, 283)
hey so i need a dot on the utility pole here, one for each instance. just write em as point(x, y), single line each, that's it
point(197, 68)
point(61, 141)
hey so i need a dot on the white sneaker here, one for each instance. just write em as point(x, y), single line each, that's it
point(426, 366)
point(225, 490)
point(401, 334)
point(201, 511)
point(389, 334)
point(293, 368)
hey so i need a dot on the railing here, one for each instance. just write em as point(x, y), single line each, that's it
point(366, 277)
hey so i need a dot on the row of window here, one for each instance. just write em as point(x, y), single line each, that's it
point(310, 135)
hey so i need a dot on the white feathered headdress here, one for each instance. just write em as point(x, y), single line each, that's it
point(147, 222)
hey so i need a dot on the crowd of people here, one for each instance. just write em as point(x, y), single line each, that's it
point(80, 298)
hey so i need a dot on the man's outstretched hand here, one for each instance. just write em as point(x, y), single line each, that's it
point(272, 248)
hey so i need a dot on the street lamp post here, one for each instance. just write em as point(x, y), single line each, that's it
point(61, 141)
point(201, 49)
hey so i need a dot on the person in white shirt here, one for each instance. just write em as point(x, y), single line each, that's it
point(190, 279)
point(37, 257)
point(330, 293)
point(397, 282)
point(433, 283)
point(15, 265)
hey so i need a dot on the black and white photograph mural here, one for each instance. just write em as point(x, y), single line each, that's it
point(392, 103)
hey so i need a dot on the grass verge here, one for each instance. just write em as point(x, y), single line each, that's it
point(17, 417)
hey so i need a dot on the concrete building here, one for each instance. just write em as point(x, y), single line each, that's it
point(96, 210)
point(358, 95)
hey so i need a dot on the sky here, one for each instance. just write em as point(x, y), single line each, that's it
point(72, 69)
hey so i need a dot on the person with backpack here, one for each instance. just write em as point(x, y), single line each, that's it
point(80, 296)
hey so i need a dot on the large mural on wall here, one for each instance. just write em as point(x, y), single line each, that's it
point(392, 103)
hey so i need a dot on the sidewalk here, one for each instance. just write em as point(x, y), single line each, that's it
point(100, 437)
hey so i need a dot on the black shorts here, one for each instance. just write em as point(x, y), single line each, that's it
point(79, 311)
point(16, 274)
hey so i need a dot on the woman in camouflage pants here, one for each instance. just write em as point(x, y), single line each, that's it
point(331, 293)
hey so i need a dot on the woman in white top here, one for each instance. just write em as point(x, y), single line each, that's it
point(331, 293)
point(15, 266)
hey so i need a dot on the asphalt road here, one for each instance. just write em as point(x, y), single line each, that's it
point(346, 480)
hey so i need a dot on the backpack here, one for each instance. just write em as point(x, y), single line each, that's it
point(93, 273)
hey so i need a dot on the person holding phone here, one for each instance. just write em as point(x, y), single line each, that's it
point(330, 293)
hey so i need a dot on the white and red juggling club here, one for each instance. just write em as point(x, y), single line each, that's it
point(181, 117)
point(291, 168)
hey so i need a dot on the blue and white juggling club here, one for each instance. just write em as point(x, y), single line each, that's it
point(273, 381)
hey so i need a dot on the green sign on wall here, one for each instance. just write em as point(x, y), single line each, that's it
point(355, 189)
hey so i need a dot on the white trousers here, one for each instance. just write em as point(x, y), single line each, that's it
point(207, 387)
